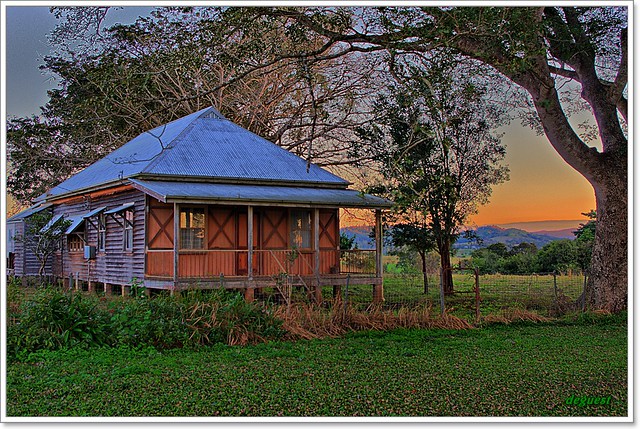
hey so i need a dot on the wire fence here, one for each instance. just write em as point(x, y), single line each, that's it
point(473, 298)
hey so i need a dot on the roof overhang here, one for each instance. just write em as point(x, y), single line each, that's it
point(28, 212)
point(243, 194)
point(121, 208)
point(54, 221)
point(76, 222)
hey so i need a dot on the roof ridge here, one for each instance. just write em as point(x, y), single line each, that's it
point(289, 153)
point(156, 159)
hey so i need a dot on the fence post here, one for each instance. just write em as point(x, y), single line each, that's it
point(346, 296)
point(477, 286)
point(441, 291)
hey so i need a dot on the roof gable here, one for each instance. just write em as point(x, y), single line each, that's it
point(202, 145)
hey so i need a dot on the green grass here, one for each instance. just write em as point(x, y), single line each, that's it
point(497, 292)
point(515, 370)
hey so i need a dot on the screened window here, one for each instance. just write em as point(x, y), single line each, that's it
point(102, 232)
point(128, 230)
point(192, 228)
point(75, 243)
point(301, 229)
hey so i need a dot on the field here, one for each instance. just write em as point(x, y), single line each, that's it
point(497, 370)
point(498, 292)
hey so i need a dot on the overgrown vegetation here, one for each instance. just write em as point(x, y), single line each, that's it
point(54, 319)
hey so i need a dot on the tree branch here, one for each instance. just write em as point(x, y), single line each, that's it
point(617, 88)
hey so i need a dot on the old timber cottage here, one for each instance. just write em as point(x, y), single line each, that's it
point(202, 202)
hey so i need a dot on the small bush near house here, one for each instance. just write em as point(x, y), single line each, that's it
point(55, 319)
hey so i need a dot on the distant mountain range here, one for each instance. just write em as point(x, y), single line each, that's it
point(492, 234)
point(488, 235)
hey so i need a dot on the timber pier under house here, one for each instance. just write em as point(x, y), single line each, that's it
point(203, 203)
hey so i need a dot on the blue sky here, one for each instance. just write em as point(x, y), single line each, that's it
point(27, 30)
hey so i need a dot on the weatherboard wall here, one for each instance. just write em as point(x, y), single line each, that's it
point(114, 264)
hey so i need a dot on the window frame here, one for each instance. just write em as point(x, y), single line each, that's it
point(182, 230)
point(302, 230)
point(127, 230)
point(75, 238)
point(102, 233)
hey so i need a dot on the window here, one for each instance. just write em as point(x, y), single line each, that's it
point(301, 229)
point(75, 243)
point(128, 230)
point(192, 228)
point(102, 232)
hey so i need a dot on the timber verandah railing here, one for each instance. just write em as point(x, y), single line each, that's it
point(204, 264)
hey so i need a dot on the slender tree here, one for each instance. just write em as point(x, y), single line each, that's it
point(437, 150)
point(417, 237)
point(43, 237)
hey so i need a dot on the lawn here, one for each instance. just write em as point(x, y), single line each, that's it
point(496, 370)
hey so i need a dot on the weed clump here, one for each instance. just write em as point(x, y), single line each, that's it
point(56, 319)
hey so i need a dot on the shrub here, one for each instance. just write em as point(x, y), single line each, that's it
point(53, 319)
point(225, 317)
point(156, 322)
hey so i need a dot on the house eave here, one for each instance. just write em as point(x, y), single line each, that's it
point(82, 191)
point(257, 195)
point(243, 181)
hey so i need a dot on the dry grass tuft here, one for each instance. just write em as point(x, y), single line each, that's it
point(305, 321)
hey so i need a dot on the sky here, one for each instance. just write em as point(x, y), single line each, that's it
point(541, 186)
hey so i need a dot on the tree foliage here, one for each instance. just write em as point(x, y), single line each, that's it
point(541, 50)
point(43, 236)
point(526, 258)
point(138, 76)
point(438, 152)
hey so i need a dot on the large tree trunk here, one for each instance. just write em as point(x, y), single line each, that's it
point(606, 171)
point(445, 264)
point(608, 279)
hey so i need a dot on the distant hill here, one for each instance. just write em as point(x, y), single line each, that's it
point(540, 226)
point(490, 234)
point(560, 233)
point(362, 235)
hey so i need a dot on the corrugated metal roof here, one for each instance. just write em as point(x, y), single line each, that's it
point(174, 191)
point(28, 212)
point(120, 208)
point(204, 145)
point(128, 160)
point(76, 221)
point(94, 212)
point(222, 149)
point(54, 220)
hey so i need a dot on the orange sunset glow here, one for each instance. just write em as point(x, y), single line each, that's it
point(541, 186)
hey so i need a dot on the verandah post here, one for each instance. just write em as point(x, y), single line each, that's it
point(250, 242)
point(316, 254)
point(176, 245)
point(249, 291)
